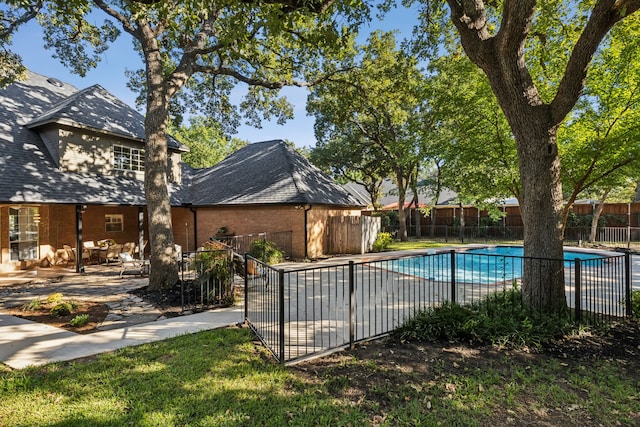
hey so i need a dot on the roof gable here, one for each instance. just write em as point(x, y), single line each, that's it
point(269, 172)
point(97, 109)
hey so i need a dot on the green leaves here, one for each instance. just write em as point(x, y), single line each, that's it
point(364, 113)
point(206, 141)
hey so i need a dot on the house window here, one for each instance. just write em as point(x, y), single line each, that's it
point(128, 159)
point(23, 233)
point(113, 223)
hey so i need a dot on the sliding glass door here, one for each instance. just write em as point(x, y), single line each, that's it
point(23, 233)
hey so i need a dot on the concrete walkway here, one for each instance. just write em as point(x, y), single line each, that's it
point(24, 343)
point(131, 321)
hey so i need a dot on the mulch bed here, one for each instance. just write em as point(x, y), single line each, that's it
point(96, 311)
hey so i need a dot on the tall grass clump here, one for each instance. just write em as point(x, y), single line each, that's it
point(499, 319)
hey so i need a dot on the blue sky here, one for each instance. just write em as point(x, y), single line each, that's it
point(120, 56)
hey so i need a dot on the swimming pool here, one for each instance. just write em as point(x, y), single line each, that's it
point(478, 265)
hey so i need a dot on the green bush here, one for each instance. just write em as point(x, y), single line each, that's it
point(635, 303)
point(389, 220)
point(62, 309)
point(266, 251)
point(33, 305)
point(79, 321)
point(499, 319)
point(382, 242)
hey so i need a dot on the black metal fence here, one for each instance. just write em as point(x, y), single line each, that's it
point(613, 237)
point(206, 278)
point(300, 312)
point(242, 243)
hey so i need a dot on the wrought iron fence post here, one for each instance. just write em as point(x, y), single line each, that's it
point(281, 314)
point(246, 286)
point(352, 303)
point(627, 283)
point(182, 284)
point(578, 290)
point(453, 276)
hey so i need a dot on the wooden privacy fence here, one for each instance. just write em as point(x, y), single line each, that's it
point(351, 234)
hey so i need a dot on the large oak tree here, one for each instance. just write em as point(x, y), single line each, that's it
point(496, 36)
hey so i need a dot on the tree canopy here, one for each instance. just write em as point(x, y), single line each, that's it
point(368, 109)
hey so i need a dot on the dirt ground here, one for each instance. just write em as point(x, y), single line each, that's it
point(382, 363)
point(96, 311)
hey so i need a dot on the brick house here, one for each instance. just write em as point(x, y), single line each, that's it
point(72, 170)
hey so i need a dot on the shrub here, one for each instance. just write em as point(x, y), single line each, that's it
point(635, 303)
point(498, 319)
point(33, 305)
point(79, 321)
point(54, 298)
point(382, 242)
point(389, 221)
point(62, 309)
point(266, 251)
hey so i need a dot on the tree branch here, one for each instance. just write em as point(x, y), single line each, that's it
point(124, 21)
point(29, 14)
point(606, 13)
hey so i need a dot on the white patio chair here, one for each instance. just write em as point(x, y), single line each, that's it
point(129, 265)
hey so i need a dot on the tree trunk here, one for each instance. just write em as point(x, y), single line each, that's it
point(402, 218)
point(433, 221)
point(164, 268)
point(543, 280)
point(596, 217)
point(461, 231)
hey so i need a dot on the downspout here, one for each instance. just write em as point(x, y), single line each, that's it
point(307, 208)
point(195, 228)
point(79, 265)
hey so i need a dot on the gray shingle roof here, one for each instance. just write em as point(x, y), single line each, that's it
point(97, 109)
point(28, 174)
point(269, 172)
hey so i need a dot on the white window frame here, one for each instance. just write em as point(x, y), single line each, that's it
point(24, 233)
point(127, 158)
point(113, 223)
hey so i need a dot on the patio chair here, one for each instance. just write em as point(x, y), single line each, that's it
point(129, 265)
point(71, 255)
point(130, 248)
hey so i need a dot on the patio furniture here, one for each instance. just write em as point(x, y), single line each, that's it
point(71, 255)
point(130, 248)
point(129, 265)
point(111, 252)
point(89, 247)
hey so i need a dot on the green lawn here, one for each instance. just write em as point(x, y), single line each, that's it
point(220, 378)
point(397, 245)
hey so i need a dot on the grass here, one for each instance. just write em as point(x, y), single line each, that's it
point(426, 243)
point(219, 378)
point(397, 245)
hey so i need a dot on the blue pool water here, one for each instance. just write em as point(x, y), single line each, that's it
point(481, 265)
